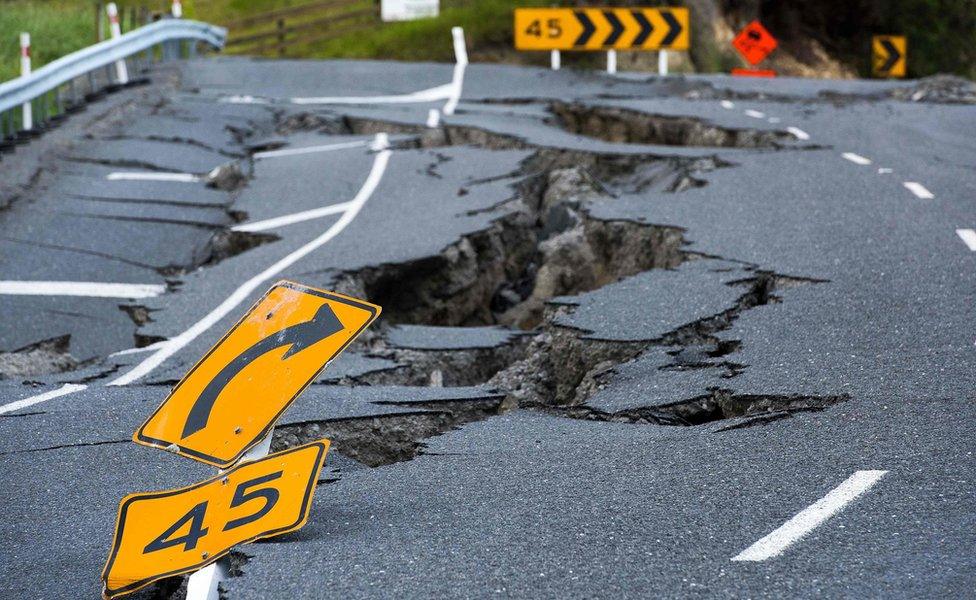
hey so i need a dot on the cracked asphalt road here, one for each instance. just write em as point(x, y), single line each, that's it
point(620, 343)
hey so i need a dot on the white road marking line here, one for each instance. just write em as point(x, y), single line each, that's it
point(755, 114)
point(433, 94)
point(298, 217)
point(798, 133)
point(64, 390)
point(244, 99)
point(919, 190)
point(148, 348)
point(885, 170)
point(809, 518)
point(856, 158)
point(173, 345)
point(91, 289)
point(460, 64)
point(968, 237)
point(433, 117)
point(308, 149)
point(773, 120)
point(727, 104)
point(152, 176)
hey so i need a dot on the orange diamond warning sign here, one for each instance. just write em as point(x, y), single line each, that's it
point(754, 42)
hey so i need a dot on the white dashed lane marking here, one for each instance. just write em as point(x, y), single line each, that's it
point(968, 237)
point(798, 133)
point(727, 104)
point(919, 190)
point(811, 517)
point(755, 114)
point(856, 158)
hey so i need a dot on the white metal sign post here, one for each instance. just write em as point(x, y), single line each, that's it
point(25, 70)
point(121, 72)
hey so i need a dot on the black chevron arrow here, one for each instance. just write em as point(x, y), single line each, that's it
point(675, 28)
point(588, 28)
point(299, 336)
point(617, 28)
point(893, 55)
point(646, 28)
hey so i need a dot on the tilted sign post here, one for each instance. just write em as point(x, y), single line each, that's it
point(888, 55)
point(601, 29)
point(222, 412)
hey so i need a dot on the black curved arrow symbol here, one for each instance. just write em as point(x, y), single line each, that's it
point(299, 336)
point(616, 25)
point(588, 28)
point(893, 55)
point(646, 28)
point(675, 28)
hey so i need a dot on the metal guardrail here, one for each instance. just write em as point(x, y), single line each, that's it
point(65, 70)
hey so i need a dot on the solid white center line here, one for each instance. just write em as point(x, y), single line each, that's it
point(173, 345)
point(809, 518)
point(968, 237)
point(755, 114)
point(92, 289)
point(440, 92)
point(64, 390)
point(308, 149)
point(798, 133)
point(727, 104)
point(298, 217)
point(856, 158)
point(919, 190)
point(152, 176)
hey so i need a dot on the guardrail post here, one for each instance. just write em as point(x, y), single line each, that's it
point(281, 37)
point(177, 9)
point(121, 72)
point(25, 69)
point(99, 27)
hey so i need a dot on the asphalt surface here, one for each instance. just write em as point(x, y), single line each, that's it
point(830, 305)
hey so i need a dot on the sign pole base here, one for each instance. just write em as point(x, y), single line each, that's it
point(554, 59)
point(205, 583)
point(611, 61)
point(662, 62)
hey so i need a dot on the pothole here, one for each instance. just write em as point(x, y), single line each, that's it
point(626, 126)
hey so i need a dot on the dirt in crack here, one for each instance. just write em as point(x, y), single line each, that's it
point(625, 126)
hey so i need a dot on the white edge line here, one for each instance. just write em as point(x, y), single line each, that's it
point(90, 289)
point(968, 237)
point(152, 176)
point(298, 217)
point(173, 345)
point(856, 158)
point(308, 149)
point(798, 133)
point(919, 190)
point(64, 390)
point(809, 518)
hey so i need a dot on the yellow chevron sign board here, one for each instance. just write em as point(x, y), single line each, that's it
point(162, 534)
point(601, 28)
point(888, 54)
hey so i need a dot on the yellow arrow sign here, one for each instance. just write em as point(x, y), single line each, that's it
point(161, 534)
point(888, 55)
point(601, 28)
point(230, 400)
